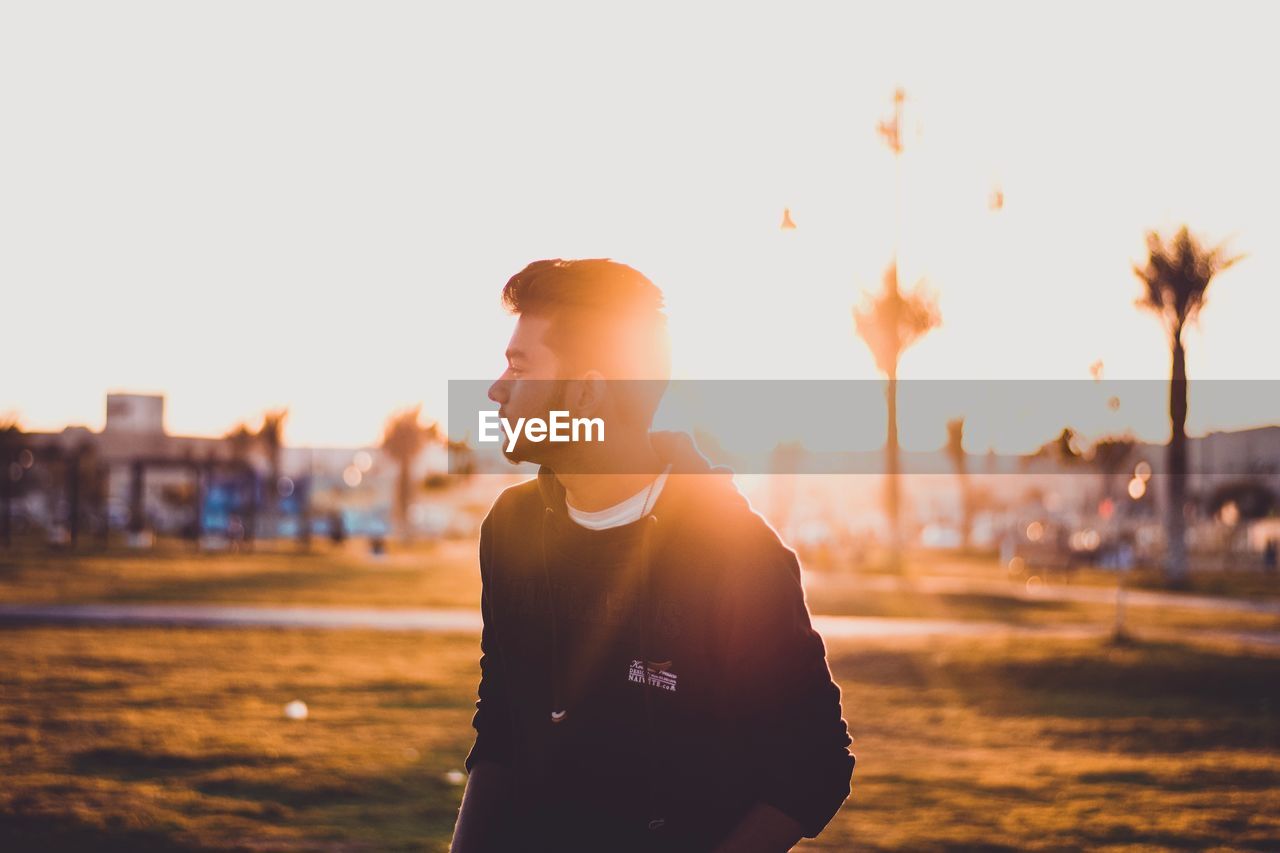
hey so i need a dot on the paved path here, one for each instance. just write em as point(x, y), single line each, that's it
point(217, 615)
point(942, 584)
point(468, 621)
point(431, 620)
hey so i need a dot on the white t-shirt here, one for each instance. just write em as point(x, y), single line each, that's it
point(632, 509)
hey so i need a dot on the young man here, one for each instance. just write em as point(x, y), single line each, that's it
point(650, 679)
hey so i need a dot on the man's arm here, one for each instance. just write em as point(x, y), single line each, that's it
point(763, 830)
point(484, 808)
point(488, 791)
point(779, 680)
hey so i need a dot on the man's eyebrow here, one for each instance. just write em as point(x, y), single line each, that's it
point(513, 354)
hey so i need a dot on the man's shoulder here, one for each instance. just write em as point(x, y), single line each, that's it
point(731, 531)
point(514, 512)
point(516, 501)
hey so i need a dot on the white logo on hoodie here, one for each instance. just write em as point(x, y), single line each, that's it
point(659, 672)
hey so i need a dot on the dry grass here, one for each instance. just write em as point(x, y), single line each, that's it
point(152, 739)
point(156, 739)
point(847, 595)
point(1060, 745)
point(163, 739)
point(442, 574)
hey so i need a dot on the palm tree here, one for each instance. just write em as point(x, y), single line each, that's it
point(12, 443)
point(241, 441)
point(271, 438)
point(1111, 456)
point(1063, 450)
point(890, 322)
point(1176, 279)
point(403, 438)
point(462, 458)
point(955, 452)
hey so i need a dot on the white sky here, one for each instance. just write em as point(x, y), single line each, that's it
point(247, 205)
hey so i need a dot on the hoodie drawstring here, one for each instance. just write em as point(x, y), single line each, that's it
point(656, 820)
point(558, 712)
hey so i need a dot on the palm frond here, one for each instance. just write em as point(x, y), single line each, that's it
point(1177, 274)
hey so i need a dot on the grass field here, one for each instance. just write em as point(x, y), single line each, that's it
point(445, 574)
point(157, 739)
point(175, 739)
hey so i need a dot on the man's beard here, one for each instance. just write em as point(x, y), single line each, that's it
point(539, 453)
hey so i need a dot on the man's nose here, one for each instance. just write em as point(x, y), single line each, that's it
point(498, 391)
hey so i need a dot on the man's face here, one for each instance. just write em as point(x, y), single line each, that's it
point(530, 387)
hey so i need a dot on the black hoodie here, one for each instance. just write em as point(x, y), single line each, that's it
point(649, 683)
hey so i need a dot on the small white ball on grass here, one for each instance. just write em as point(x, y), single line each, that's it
point(455, 777)
point(296, 710)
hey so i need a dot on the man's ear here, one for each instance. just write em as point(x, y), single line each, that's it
point(586, 395)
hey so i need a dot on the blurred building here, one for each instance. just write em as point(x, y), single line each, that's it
point(1219, 457)
point(134, 474)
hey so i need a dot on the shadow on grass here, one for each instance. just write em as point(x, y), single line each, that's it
point(316, 808)
point(1160, 679)
point(1003, 608)
point(912, 792)
point(962, 847)
point(66, 832)
point(1153, 679)
point(394, 693)
point(1094, 838)
point(1197, 779)
point(1007, 609)
point(399, 811)
point(125, 763)
point(251, 586)
point(1152, 697)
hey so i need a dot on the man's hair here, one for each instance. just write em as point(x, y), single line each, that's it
point(603, 315)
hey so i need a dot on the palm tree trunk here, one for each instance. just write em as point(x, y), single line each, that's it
point(303, 491)
point(402, 498)
point(6, 501)
point(892, 498)
point(1175, 520)
point(73, 498)
point(273, 493)
point(137, 506)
